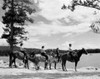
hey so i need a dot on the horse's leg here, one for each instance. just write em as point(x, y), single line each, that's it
point(65, 66)
point(37, 66)
point(45, 64)
point(24, 63)
point(27, 64)
point(62, 65)
point(50, 66)
point(14, 61)
point(55, 64)
point(76, 65)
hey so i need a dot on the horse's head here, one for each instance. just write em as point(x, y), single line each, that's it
point(84, 51)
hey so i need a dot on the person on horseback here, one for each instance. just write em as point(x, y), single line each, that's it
point(43, 53)
point(57, 52)
point(71, 52)
point(23, 50)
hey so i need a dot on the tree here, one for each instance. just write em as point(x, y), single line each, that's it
point(87, 3)
point(95, 26)
point(14, 19)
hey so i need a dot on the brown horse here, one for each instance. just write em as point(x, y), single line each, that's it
point(19, 55)
point(75, 58)
point(54, 58)
point(36, 59)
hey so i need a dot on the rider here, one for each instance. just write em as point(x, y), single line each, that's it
point(71, 52)
point(57, 52)
point(22, 50)
point(43, 53)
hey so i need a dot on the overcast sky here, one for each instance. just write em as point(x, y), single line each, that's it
point(54, 27)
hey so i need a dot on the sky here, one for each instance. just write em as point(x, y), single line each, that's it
point(56, 28)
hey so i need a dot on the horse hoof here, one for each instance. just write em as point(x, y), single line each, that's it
point(37, 68)
point(16, 66)
point(65, 70)
point(10, 66)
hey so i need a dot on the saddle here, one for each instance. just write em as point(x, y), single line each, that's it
point(73, 53)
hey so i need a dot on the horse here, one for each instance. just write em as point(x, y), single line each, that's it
point(19, 55)
point(75, 58)
point(54, 58)
point(36, 59)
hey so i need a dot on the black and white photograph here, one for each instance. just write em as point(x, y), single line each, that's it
point(49, 39)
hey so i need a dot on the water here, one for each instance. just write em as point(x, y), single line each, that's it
point(87, 60)
point(90, 60)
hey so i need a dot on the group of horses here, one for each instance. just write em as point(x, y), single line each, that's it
point(52, 58)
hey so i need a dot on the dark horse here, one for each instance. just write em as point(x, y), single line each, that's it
point(19, 55)
point(75, 58)
point(35, 58)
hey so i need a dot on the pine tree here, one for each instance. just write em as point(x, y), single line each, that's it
point(14, 19)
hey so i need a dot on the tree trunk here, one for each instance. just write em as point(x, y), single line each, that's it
point(11, 55)
point(11, 38)
point(10, 59)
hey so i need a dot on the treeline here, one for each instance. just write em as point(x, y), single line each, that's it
point(5, 50)
point(93, 50)
point(4, 53)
